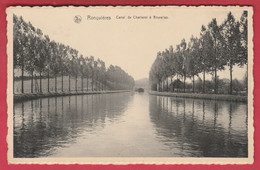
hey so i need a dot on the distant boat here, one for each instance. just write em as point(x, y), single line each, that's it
point(140, 90)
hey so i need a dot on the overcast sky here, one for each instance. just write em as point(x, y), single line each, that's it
point(131, 44)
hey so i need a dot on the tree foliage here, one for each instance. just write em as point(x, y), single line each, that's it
point(218, 46)
point(35, 52)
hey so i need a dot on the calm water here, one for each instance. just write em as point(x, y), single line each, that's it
point(129, 124)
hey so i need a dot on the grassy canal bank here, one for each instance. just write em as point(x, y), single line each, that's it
point(224, 97)
point(31, 96)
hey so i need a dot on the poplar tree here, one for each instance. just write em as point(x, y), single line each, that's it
point(231, 43)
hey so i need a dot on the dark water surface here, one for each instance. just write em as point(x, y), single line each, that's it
point(129, 124)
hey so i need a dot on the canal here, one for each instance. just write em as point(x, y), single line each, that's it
point(129, 125)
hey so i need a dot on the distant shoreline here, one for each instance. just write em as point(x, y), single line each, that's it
point(222, 97)
point(31, 96)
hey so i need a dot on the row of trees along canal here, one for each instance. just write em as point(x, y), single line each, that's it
point(217, 47)
point(34, 53)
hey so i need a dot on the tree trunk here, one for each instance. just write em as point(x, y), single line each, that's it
point(215, 68)
point(55, 83)
point(216, 89)
point(96, 84)
point(48, 81)
point(87, 83)
point(69, 82)
point(177, 82)
point(40, 81)
point(193, 84)
point(35, 81)
point(92, 82)
point(22, 77)
point(167, 84)
point(171, 84)
point(82, 79)
point(62, 81)
point(32, 83)
point(230, 69)
point(184, 81)
point(163, 85)
point(204, 81)
point(76, 83)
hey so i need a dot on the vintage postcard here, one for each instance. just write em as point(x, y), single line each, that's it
point(130, 85)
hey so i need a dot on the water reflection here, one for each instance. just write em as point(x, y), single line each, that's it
point(129, 125)
point(41, 126)
point(200, 128)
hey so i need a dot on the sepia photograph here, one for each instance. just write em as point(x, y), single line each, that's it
point(127, 85)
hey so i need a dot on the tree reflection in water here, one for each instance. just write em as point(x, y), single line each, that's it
point(41, 126)
point(129, 125)
point(200, 128)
